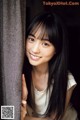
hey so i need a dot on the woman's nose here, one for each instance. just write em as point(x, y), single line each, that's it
point(36, 48)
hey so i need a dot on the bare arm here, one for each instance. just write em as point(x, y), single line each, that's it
point(24, 89)
point(68, 96)
point(24, 98)
point(36, 118)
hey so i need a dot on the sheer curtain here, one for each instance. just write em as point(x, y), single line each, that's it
point(12, 35)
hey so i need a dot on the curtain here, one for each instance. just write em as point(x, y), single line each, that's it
point(12, 35)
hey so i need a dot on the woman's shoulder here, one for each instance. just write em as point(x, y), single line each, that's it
point(71, 80)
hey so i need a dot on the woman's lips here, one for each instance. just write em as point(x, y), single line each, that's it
point(34, 57)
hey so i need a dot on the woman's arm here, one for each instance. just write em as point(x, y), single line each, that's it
point(24, 95)
point(23, 111)
point(36, 118)
point(24, 89)
point(68, 96)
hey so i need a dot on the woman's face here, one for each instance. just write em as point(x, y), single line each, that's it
point(39, 51)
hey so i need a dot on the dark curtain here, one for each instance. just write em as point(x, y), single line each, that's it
point(12, 35)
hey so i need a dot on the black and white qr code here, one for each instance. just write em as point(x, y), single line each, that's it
point(7, 112)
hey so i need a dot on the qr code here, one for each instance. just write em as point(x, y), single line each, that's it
point(7, 112)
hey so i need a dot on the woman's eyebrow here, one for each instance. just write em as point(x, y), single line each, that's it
point(31, 35)
point(44, 38)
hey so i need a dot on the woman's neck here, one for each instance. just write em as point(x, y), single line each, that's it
point(40, 77)
point(40, 70)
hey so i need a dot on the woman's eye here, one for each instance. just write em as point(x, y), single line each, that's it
point(31, 39)
point(45, 44)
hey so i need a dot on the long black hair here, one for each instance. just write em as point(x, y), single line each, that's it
point(58, 65)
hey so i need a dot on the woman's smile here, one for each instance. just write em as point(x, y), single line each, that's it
point(34, 57)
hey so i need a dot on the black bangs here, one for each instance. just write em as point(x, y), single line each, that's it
point(50, 27)
point(51, 31)
point(42, 31)
point(54, 31)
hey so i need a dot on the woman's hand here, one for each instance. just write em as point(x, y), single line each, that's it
point(24, 98)
point(23, 111)
point(24, 88)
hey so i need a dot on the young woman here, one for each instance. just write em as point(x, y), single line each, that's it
point(47, 85)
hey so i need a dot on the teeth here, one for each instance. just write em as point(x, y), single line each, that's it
point(34, 56)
